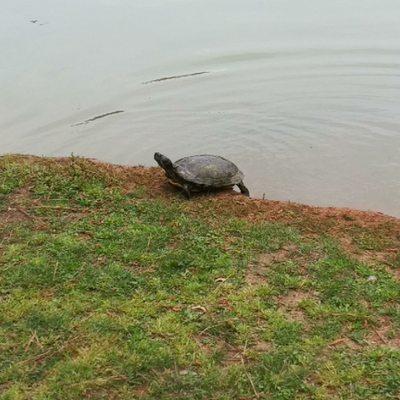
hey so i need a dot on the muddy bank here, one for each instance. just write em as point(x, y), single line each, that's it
point(228, 202)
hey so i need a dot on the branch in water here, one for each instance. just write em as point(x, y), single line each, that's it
point(98, 117)
point(166, 78)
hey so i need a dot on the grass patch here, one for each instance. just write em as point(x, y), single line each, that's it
point(111, 288)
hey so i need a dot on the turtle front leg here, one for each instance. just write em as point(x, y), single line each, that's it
point(243, 189)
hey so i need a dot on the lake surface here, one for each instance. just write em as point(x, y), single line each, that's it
point(304, 95)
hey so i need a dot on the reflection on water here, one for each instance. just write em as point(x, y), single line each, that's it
point(304, 96)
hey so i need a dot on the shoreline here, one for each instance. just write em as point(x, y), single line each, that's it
point(154, 178)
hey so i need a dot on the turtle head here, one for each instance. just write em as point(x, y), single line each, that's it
point(164, 162)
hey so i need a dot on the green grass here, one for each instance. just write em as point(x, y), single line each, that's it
point(110, 293)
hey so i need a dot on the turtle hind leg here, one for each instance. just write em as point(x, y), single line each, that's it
point(187, 191)
point(243, 189)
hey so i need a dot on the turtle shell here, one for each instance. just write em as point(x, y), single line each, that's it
point(208, 170)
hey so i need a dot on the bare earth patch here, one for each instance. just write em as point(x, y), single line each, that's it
point(15, 211)
point(12, 215)
point(290, 304)
point(140, 391)
point(395, 273)
point(212, 345)
point(367, 256)
point(384, 334)
point(257, 271)
point(346, 342)
point(262, 347)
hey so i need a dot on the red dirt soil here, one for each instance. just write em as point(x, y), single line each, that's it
point(310, 219)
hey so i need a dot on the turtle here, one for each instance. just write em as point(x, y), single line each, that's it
point(201, 173)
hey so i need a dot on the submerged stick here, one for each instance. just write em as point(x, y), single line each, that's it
point(98, 117)
point(166, 78)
